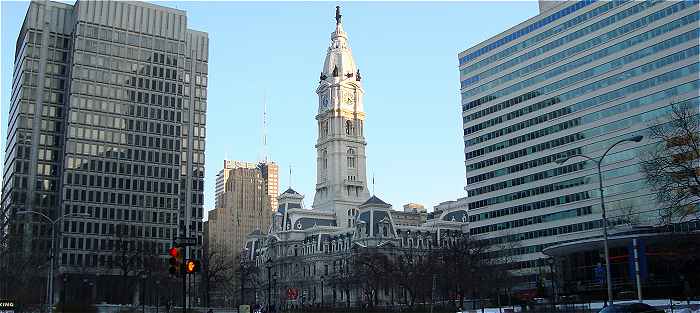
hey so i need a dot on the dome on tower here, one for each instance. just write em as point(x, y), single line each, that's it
point(339, 61)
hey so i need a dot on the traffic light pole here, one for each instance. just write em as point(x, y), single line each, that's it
point(183, 272)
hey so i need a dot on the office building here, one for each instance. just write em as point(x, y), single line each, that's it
point(268, 169)
point(573, 80)
point(245, 209)
point(107, 122)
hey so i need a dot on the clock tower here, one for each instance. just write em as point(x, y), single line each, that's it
point(340, 163)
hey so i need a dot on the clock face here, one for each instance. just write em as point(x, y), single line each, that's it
point(349, 98)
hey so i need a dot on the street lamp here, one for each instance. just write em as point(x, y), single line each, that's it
point(598, 161)
point(274, 284)
point(143, 296)
point(268, 264)
point(65, 294)
point(49, 279)
point(473, 271)
point(322, 278)
point(550, 261)
point(157, 295)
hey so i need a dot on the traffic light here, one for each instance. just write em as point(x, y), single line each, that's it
point(176, 256)
point(191, 266)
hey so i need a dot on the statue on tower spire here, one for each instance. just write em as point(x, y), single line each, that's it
point(337, 14)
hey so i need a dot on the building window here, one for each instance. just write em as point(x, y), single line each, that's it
point(325, 159)
point(351, 157)
point(348, 128)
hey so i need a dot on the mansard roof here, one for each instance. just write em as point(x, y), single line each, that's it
point(290, 191)
point(374, 200)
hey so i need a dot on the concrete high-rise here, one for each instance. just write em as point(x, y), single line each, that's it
point(244, 209)
point(268, 169)
point(573, 80)
point(107, 120)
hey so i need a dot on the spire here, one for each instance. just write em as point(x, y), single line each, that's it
point(339, 61)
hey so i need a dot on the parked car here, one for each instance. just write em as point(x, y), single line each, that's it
point(631, 308)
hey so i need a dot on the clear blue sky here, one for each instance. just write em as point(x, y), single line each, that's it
point(407, 52)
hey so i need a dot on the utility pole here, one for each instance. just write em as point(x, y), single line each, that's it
point(636, 269)
point(183, 272)
point(432, 293)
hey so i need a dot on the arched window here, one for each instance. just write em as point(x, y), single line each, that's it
point(348, 127)
point(325, 159)
point(351, 157)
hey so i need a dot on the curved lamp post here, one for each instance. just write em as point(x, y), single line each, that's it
point(322, 278)
point(268, 264)
point(143, 291)
point(598, 161)
point(49, 278)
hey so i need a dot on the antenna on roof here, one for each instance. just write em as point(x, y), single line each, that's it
point(263, 153)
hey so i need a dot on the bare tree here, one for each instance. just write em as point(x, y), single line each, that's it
point(411, 270)
point(22, 275)
point(130, 258)
point(370, 267)
point(465, 261)
point(626, 213)
point(218, 273)
point(671, 167)
point(248, 276)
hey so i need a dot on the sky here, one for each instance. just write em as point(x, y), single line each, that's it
point(406, 51)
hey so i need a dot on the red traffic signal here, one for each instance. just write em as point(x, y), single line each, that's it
point(174, 252)
point(176, 257)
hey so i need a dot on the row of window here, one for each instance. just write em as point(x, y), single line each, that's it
point(531, 192)
point(57, 56)
point(621, 188)
point(526, 30)
point(142, 185)
point(615, 94)
point(554, 231)
point(587, 149)
point(592, 72)
point(645, 118)
point(133, 39)
point(117, 198)
point(591, 43)
point(551, 217)
point(103, 245)
point(591, 87)
point(550, 32)
point(529, 178)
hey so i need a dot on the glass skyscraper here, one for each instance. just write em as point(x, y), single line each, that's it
point(572, 80)
point(107, 121)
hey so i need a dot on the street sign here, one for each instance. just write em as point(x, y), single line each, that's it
point(7, 306)
point(600, 274)
point(186, 241)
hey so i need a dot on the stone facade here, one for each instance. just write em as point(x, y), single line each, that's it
point(306, 252)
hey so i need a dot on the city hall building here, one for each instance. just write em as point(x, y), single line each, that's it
point(571, 81)
point(307, 248)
